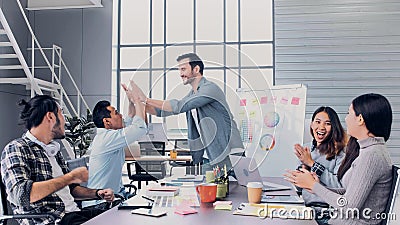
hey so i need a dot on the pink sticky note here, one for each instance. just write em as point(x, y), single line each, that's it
point(284, 100)
point(242, 102)
point(184, 209)
point(263, 100)
point(295, 101)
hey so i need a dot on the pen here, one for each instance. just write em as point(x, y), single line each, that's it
point(147, 198)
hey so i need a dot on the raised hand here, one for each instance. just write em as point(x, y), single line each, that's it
point(138, 91)
point(132, 95)
point(303, 154)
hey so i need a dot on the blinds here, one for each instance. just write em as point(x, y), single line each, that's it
point(340, 49)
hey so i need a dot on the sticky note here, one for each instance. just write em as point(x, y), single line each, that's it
point(264, 100)
point(242, 102)
point(223, 207)
point(284, 100)
point(184, 209)
point(222, 203)
point(295, 101)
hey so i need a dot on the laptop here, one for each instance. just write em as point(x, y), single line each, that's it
point(246, 171)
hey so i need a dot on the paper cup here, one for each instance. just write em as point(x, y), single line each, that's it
point(254, 191)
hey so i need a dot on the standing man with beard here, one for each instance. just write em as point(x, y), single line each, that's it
point(34, 171)
point(212, 132)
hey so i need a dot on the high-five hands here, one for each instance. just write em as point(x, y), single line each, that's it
point(132, 96)
point(135, 94)
point(138, 91)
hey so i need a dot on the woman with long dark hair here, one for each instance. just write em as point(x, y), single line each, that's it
point(324, 155)
point(366, 178)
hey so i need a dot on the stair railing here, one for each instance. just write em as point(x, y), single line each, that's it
point(62, 93)
point(25, 67)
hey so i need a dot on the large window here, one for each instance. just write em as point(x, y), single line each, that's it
point(234, 38)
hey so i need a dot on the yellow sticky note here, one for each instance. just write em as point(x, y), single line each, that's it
point(223, 207)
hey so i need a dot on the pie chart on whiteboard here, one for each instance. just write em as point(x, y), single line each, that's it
point(267, 142)
point(271, 119)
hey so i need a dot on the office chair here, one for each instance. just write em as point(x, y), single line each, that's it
point(180, 144)
point(78, 162)
point(393, 204)
point(7, 214)
point(148, 170)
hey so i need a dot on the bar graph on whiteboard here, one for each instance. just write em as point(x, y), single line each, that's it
point(246, 131)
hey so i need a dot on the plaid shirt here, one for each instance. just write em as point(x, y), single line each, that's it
point(22, 163)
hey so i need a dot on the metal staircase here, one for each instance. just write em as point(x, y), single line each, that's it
point(13, 59)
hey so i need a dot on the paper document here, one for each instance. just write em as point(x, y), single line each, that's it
point(149, 212)
point(291, 199)
point(285, 211)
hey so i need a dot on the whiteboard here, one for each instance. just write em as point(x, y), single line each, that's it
point(271, 121)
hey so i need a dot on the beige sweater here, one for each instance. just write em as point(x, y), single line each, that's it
point(367, 184)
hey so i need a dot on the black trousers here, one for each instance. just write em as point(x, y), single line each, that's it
point(79, 217)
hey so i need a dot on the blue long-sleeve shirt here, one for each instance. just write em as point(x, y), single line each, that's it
point(218, 131)
point(107, 155)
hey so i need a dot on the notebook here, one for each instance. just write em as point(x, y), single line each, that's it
point(246, 171)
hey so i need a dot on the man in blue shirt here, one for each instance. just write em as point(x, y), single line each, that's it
point(212, 132)
point(107, 155)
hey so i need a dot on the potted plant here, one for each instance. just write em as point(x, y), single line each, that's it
point(79, 133)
